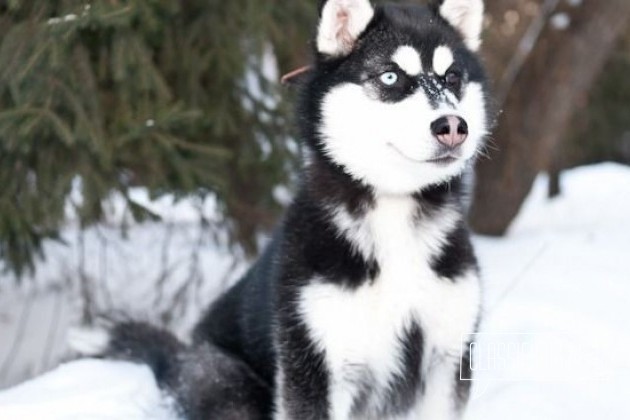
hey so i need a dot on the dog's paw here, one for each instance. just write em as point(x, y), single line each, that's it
point(88, 341)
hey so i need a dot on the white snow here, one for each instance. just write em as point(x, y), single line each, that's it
point(561, 279)
point(557, 287)
point(89, 389)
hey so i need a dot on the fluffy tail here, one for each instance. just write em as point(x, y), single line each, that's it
point(206, 382)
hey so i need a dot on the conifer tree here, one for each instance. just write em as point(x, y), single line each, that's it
point(169, 95)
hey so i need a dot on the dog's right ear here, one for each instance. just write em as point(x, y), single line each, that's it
point(340, 25)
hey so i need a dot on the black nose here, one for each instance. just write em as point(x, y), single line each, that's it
point(450, 130)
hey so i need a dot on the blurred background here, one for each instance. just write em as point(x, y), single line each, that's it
point(147, 150)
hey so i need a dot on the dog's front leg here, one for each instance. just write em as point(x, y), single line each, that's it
point(302, 378)
point(442, 399)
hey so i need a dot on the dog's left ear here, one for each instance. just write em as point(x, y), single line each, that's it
point(466, 16)
point(340, 25)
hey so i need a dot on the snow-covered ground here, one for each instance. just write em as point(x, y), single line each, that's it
point(560, 285)
point(554, 339)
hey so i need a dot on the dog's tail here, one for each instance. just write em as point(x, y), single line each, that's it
point(206, 382)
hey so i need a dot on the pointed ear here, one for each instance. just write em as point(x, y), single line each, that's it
point(466, 16)
point(341, 23)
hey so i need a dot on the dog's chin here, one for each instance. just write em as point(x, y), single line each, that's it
point(392, 170)
point(416, 173)
point(404, 176)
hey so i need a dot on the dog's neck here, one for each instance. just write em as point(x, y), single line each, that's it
point(330, 186)
point(369, 231)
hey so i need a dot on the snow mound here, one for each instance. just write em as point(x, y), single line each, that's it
point(89, 389)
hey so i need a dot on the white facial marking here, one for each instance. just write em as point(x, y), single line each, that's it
point(442, 60)
point(472, 109)
point(408, 59)
point(386, 145)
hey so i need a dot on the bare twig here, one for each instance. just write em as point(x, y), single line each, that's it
point(184, 295)
point(19, 336)
point(84, 284)
point(165, 271)
point(104, 283)
point(52, 331)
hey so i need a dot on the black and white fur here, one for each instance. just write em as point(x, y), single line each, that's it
point(357, 308)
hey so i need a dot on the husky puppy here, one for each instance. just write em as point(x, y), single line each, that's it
point(357, 308)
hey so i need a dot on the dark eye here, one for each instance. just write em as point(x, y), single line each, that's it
point(389, 78)
point(453, 80)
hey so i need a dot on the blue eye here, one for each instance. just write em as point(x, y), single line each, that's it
point(389, 78)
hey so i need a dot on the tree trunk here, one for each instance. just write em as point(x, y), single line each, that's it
point(550, 86)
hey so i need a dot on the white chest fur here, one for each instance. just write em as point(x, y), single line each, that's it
point(359, 330)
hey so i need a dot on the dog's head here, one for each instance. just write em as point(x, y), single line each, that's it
point(397, 97)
